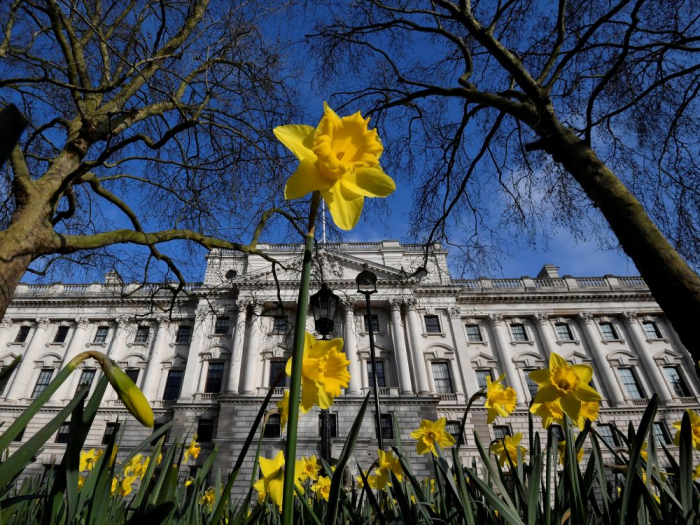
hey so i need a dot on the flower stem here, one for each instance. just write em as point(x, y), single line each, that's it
point(463, 424)
point(297, 357)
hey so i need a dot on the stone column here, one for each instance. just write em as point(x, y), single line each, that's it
point(118, 339)
point(364, 366)
point(675, 339)
point(203, 320)
point(21, 386)
point(604, 376)
point(203, 370)
point(250, 379)
point(234, 375)
point(658, 383)
point(459, 337)
point(501, 347)
point(414, 330)
point(355, 384)
point(155, 367)
point(544, 329)
point(402, 364)
point(76, 346)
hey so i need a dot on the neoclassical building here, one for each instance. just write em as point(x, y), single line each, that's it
point(207, 360)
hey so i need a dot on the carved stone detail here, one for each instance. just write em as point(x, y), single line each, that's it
point(541, 318)
point(455, 312)
point(585, 317)
point(82, 322)
point(496, 319)
point(43, 322)
point(629, 316)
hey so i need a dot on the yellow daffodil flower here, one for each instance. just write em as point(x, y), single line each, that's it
point(643, 452)
point(339, 158)
point(272, 482)
point(324, 372)
point(81, 482)
point(552, 412)
point(193, 450)
point(387, 462)
point(500, 400)
point(89, 459)
point(562, 452)
point(261, 496)
point(306, 468)
point(114, 455)
point(137, 466)
point(431, 433)
point(696, 472)
point(283, 408)
point(322, 487)
point(189, 481)
point(508, 447)
point(125, 485)
point(566, 383)
point(208, 498)
point(115, 482)
point(694, 430)
point(160, 459)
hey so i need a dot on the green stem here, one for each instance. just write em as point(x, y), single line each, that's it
point(463, 424)
point(297, 358)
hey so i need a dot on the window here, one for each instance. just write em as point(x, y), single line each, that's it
point(558, 433)
point(277, 367)
point(519, 333)
point(279, 324)
point(452, 427)
point(20, 435)
point(630, 382)
point(173, 385)
point(381, 378)
point(652, 330)
point(215, 376)
point(184, 334)
point(61, 334)
point(500, 432)
point(677, 383)
point(43, 381)
point(142, 334)
point(564, 332)
point(110, 433)
point(101, 334)
point(443, 381)
point(481, 376)
point(333, 420)
point(63, 432)
point(661, 433)
point(432, 324)
point(474, 334)
point(375, 323)
point(608, 331)
point(387, 426)
point(272, 428)
point(4, 379)
point(86, 378)
point(531, 385)
point(205, 430)
point(607, 435)
point(222, 325)
point(22, 334)
point(133, 374)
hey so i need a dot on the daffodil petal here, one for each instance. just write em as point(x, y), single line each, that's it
point(584, 392)
point(308, 394)
point(547, 393)
point(267, 466)
point(345, 206)
point(584, 372)
point(299, 138)
point(370, 182)
point(556, 360)
point(304, 180)
point(541, 376)
point(571, 406)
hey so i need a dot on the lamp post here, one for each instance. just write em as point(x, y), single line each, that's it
point(324, 305)
point(367, 285)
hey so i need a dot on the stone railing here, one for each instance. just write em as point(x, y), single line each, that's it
point(689, 400)
point(571, 284)
point(57, 289)
point(448, 398)
point(640, 402)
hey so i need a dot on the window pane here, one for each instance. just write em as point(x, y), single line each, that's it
point(564, 332)
point(381, 378)
point(86, 378)
point(387, 426)
point(22, 334)
point(142, 334)
point(205, 430)
point(651, 330)
point(630, 383)
point(441, 376)
point(606, 432)
point(272, 428)
point(432, 324)
point(661, 433)
point(62, 434)
point(110, 431)
point(222, 325)
point(473, 333)
point(215, 376)
point(280, 324)
point(481, 376)
point(375, 323)
point(184, 334)
point(277, 367)
point(43, 381)
point(677, 383)
point(333, 424)
point(531, 385)
point(500, 431)
point(608, 331)
point(61, 334)
point(173, 385)
point(101, 334)
point(133, 374)
point(519, 333)
point(452, 427)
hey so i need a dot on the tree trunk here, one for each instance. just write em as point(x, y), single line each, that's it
point(675, 286)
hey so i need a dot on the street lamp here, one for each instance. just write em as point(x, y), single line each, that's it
point(367, 285)
point(324, 305)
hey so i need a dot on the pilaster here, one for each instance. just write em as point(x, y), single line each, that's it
point(504, 357)
point(399, 337)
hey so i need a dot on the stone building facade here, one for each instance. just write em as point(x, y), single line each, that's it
point(208, 360)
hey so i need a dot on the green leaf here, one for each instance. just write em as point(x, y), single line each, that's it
point(495, 476)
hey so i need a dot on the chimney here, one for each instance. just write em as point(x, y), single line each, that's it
point(549, 271)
